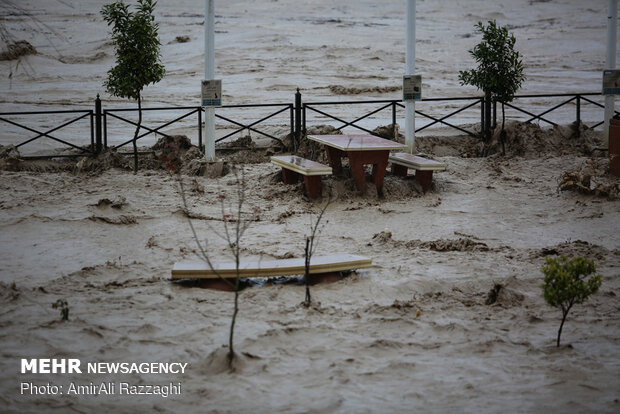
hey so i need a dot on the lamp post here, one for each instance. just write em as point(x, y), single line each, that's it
point(610, 59)
point(210, 75)
point(410, 70)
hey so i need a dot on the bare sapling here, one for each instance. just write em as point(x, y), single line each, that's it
point(311, 245)
point(235, 222)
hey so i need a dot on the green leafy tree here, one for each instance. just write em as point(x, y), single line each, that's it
point(566, 283)
point(500, 70)
point(135, 38)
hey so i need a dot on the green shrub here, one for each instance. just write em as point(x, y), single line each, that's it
point(63, 306)
point(566, 283)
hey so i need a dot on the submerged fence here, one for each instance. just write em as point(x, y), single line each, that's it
point(464, 115)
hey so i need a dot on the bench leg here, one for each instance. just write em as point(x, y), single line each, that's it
point(357, 170)
point(425, 178)
point(334, 157)
point(313, 185)
point(399, 170)
point(378, 174)
point(289, 177)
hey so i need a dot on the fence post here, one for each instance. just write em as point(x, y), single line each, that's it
point(200, 130)
point(98, 143)
point(578, 119)
point(487, 117)
point(297, 135)
point(394, 130)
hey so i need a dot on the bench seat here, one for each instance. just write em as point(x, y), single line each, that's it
point(269, 268)
point(293, 167)
point(424, 167)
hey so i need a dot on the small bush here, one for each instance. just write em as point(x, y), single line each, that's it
point(63, 306)
point(566, 283)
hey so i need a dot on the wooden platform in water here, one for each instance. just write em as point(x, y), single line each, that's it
point(269, 268)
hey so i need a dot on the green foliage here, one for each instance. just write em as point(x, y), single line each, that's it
point(64, 308)
point(135, 37)
point(500, 68)
point(566, 283)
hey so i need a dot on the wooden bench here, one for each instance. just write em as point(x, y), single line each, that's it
point(293, 167)
point(424, 167)
point(319, 266)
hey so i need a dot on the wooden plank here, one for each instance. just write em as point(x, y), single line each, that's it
point(416, 162)
point(301, 165)
point(357, 142)
point(269, 268)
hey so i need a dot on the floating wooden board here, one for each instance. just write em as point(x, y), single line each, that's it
point(301, 165)
point(270, 268)
point(416, 162)
point(357, 142)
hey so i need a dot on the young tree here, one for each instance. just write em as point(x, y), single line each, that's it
point(311, 245)
point(135, 38)
point(499, 73)
point(235, 222)
point(565, 283)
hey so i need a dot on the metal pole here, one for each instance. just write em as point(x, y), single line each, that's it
point(98, 143)
point(394, 129)
point(297, 138)
point(578, 119)
point(210, 75)
point(610, 59)
point(105, 131)
point(410, 70)
point(200, 129)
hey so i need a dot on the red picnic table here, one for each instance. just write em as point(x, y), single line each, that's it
point(361, 150)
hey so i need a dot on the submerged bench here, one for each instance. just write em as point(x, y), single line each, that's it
point(424, 167)
point(293, 167)
point(319, 266)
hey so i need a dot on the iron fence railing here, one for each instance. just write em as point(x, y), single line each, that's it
point(79, 115)
point(392, 105)
point(578, 99)
point(437, 111)
point(191, 110)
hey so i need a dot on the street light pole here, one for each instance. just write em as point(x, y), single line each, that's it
point(210, 75)
point(410, 70)
point(610, 59)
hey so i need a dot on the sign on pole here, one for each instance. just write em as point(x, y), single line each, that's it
point(611, 82)
point(212, 92)
point(412, 87)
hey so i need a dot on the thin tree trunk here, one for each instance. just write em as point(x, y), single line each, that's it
point(231, 350)
point(502, 134)
point(135, 137)
point(564, 314)
point(307, 272)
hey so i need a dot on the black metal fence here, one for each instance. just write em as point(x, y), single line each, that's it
point(198, 111)
point(392, 106)
point(513, 109)
point(299, 115)
point(75, 116)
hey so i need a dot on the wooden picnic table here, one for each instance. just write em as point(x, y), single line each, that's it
point(361, 150)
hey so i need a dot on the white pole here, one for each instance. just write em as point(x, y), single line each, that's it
point(210, 75)
point(410, 70)
point(610, 59)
